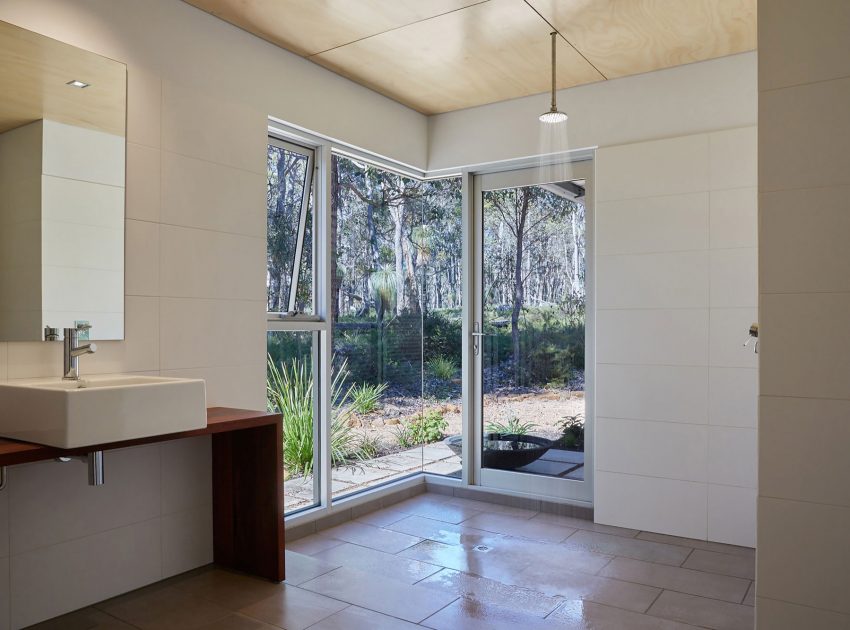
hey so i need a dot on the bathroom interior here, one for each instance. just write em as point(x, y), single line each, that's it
point(384, 314)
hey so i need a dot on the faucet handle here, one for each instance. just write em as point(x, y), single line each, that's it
point(82, 326)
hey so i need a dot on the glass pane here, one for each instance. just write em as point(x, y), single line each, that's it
point(287, 174)
point(386, 236)
point(534, 314)
point(291, 392)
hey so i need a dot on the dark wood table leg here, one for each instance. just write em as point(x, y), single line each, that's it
point(248, 531)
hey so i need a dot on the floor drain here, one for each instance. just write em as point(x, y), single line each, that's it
point(481, 548)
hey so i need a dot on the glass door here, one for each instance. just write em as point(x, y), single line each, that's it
point(532, 337)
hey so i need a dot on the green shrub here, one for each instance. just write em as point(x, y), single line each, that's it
point(289, 391)
point(364, 397)
point(442, 367)
point(572, 433)
point(424, 429)
point(512, 426)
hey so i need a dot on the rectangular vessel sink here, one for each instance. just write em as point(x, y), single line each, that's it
point(100, 409)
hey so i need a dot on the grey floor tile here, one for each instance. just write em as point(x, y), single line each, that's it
point(580, 523)
point(376, 592)
point(448, 533)
point(301, 568)
point(377, 562)
point(496, 508)
point(724, 563)
point(86, 619)
point(226, 588)
point(490, 563)
point(471, 614)
point(164, 608)
point(436, 508)
point(593, 616)
point(520, 527)
point(699, 611)
point(698, 544)
point(374, 537)
point(238, 622)
point(356, 618)
point(628, 547)
point(309, 545)
point(730, 589)
point(384, 517)
point(490, 591)
point(294, 608)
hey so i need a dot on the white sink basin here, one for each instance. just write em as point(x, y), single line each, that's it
point(100, 409)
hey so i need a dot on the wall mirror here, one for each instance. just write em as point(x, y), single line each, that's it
point(62, 163)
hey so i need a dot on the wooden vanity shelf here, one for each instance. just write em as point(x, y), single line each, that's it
point(247, 482)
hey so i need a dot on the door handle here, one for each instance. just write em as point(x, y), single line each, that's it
point(476, 337)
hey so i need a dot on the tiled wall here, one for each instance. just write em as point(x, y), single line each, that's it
point(199, 93)
point(804, 223)
point(676, 247)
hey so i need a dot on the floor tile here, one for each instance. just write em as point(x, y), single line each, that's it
point(226, 588)
point(723, 587)
point(724, 563)
point(447, 533)
point(699, 611)
point(294, 608)
point(592, 616)
point(698, 544)
point(484, 506)
point(164, 608)
point(382, 518)
point(309, 545)
point(628, 547)
point(489, 591)
point(381, 594)
point(580, 523)
point(86, 619)
point(356, 618)
point(437, 509)
point(572, 585)
point(470, 614)
point(377, 562)
point(374, 537)
point(750, 597)
point(301, 568)
point(485, 563)
point(517, 526)
point(237, 622)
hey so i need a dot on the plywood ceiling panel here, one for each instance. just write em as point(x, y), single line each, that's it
point(461, 59)
point(625, 37)
point(442, 55)
point(307, 27)
point(34, 70)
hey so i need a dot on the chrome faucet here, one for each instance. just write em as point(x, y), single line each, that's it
point(73, 352)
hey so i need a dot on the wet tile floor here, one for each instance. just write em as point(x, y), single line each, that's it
point(446, 563)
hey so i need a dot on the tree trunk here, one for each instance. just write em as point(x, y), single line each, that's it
point(336, 281)
point(519, 290)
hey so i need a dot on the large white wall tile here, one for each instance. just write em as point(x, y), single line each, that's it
point(734, 218)
point(202, 194)
point(144, 107)
point(142, 272)
point(139, 351)
point(733, 397)
point(143, 182)
point(652, 449)
point(733, 158)
point(732, 515)
point(647, 169)
point(652, 337)
point(803, 434)
point(208, 127)
point(197, 333)
point(242, 387)
point(84, 154)
point(52, 502)
point(668, 280)
point(794, 537)
point(211, 264)
point(801, 45)
point(734, 278)
point(71, 201)
point(32, 359)
point(671, 223)
point(52, 580)
point(652, 392)
point(804, 236)
point(733, 456)
point(658, 505)
point(811, 154)
point(186, 540)
point(186, 474)
point(805, 348)
point(729, 329)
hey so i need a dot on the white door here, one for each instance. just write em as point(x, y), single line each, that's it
point(532, 308)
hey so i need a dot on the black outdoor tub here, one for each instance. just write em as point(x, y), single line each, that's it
point(506, 451)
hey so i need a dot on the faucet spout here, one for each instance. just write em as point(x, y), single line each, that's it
point(73, 352)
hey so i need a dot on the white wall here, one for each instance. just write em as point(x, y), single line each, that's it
point(803, 561)
point(199, 93)
point(676, 238)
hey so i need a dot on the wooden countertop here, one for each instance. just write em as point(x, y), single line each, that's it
point(219, 420)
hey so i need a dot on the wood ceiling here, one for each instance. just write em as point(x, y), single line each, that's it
point(34, 70)
point(441, 55)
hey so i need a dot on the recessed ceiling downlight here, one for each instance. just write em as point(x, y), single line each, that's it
point(77, 83)
point(553, 115)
